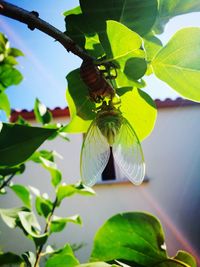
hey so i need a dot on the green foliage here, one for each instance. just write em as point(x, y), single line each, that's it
point(169, 9)
point(58, 224)
point(23, 193)
point(18, 142)
point(9, 258)
point(42, 114)
point(178, 65)
point(136, 239)
point(4, 103)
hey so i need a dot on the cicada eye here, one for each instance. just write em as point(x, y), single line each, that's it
point(94, 155)
point(127, 152)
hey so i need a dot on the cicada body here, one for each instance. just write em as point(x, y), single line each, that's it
point(98, 86)
point(111, 129)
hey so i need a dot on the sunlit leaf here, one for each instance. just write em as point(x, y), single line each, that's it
point(4, 44)
point(74, 11)
point(64, 191)
point(56, 175)
point(10, 216)
point(62, 258)
point(15, 52)
point(18, 142)
point(41, 112)
point(139, 109)
point(178, 63)
point(5, 104)
point(187, 258)
point(23, 193)
point(58, 224)
point(9, 76)
point(135, 238)
point(29, 258)
point(171, 8)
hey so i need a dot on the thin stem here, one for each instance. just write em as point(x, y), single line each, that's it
point(34, 22)
point(7, 181)
point(46, 229)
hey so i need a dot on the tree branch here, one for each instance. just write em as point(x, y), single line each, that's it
point(34, 22)
point(6, 181)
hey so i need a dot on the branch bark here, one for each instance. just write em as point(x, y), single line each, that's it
point(34, 22)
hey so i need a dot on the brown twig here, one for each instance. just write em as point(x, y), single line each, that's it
point(34, 22)
point(6, 181)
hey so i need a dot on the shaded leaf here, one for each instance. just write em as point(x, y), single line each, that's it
point(5, 104)
point(12, 170)
point(41, 112)
point(23, 193)
point(132, 237)
point(18, 142)
point(9, 258)
point(58, 224)
point(178, 63)
point(186, 258)
point(62, 258)
point(151, 45)
point(169, 9)
point(43, 206)
point(64, 191)
point(138, 15)
point(98, 264)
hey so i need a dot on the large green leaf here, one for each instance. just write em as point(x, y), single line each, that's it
point(170, 8)
point(4, 103)
point(138, 15)
point(186, 258)
point(178, 63)
point(132, 237)
point(62, 258)
point(18, 142)
point(139, 109)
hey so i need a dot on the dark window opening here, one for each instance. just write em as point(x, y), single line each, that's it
point(109, 171)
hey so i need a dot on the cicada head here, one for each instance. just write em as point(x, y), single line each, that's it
point(109, 121)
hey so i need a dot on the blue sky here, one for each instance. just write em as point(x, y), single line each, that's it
point(46, 62)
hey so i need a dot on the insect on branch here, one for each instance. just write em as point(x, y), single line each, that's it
point(32, 20)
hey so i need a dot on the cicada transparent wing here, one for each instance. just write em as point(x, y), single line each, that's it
point(127, 152)
point(94, 155)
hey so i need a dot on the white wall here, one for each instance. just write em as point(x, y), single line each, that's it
point(172, 155)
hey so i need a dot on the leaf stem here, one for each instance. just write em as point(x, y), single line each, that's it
point(40, 248)
point(171, 260)
point(34, 22)
point(7, 181)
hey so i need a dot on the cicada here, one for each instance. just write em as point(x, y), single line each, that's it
point(109, 130)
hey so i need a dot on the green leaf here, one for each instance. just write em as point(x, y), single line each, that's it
point(10, 216)
point(64, 191)
point(10, 60)
point(151, 45)
point(18, 142)
point(23, 193)
point(139, 109)
point(9, 258)
point(4, 103)
point(56, 175)
point(74, 11)
point(4, 44)
point(9, 76)
point(41, 112)
point(43, 206)
point(186, 258)
point(45, 154)
point(133, 237)
point(15, 52)
point(169, 9)
point(178, 63)
point(58, 224)
point(80, 106)
point(98, 264)
point(12, 170)
point(62, 258)
point(29, 258)
point(138, 15)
